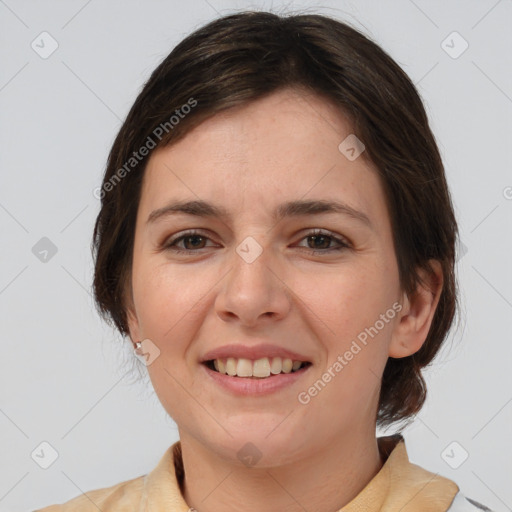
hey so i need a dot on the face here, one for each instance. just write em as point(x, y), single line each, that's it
point(315, 284)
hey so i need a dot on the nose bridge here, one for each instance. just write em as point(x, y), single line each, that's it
point(252, 287)
point(250, 267)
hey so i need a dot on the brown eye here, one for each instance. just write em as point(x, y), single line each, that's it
point(196, 241)
point(320, 241)
point(190, 242)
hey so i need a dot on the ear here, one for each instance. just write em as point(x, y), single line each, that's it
point(131, 315)
point(133, 324)
point(415, 318)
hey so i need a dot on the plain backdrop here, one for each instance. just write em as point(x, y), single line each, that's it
point(70, 71)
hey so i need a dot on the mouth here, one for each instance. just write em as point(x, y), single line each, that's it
point(263, 368)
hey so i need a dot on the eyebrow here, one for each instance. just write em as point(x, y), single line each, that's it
point(297, 208)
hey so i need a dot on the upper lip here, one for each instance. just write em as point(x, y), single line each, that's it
point(253, 352)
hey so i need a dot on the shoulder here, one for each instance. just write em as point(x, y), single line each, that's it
point(120, 497)
point(463, 504)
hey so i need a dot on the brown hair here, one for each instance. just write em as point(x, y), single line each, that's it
point(243, 57)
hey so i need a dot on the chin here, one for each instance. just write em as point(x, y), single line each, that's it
point(255, 447)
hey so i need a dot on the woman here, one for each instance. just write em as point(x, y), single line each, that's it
point(277, 239)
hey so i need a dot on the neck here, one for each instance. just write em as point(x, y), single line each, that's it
point(327, 480)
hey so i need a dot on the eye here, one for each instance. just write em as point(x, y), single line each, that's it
point(318, 241)
point(193, 239)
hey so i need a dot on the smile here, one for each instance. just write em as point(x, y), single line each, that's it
point(247, 385)
point(262, 368)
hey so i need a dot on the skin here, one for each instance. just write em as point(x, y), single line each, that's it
point(314, 456)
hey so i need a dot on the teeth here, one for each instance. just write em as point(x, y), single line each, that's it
point(287, 365)
point(231, 366)
point(244, 368)
point(296, 365)
point(276, 365)
point(260, 368)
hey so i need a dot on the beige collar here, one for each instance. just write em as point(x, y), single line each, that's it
point(399, 485)
point(403, 486)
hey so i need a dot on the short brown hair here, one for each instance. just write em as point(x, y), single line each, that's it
point(239, 58)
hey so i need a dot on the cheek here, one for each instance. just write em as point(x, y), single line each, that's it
point(164, 297)
point(345, 310)
point(344, 301)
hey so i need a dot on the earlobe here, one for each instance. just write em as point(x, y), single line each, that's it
point(415, 319)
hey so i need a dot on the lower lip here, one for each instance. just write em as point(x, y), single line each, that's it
point(247, 386)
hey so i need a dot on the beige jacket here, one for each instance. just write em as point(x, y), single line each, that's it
point(399, 486)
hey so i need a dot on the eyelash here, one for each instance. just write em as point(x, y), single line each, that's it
point(342, 244)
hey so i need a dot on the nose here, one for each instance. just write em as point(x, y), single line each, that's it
point(253, 292)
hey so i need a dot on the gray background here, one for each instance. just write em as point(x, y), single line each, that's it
point(68, 379)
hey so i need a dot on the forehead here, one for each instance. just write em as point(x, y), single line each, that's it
point(279, 148)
